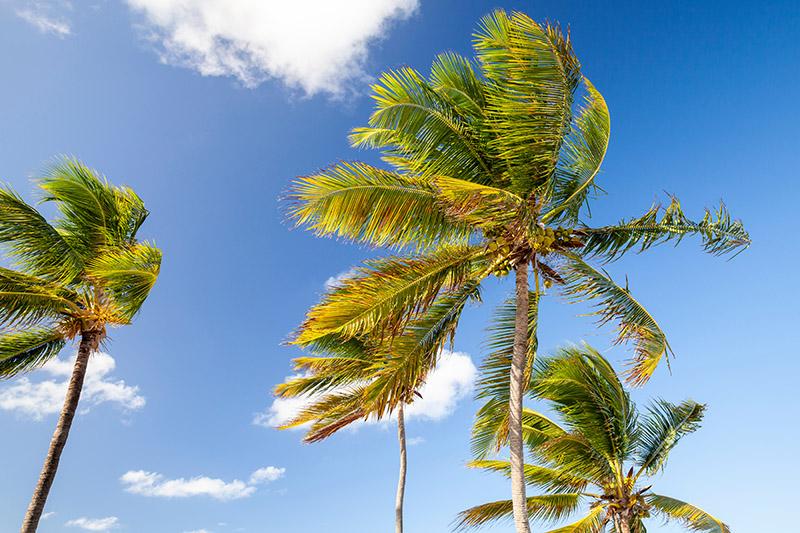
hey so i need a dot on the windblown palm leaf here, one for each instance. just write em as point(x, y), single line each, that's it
point(603, 453)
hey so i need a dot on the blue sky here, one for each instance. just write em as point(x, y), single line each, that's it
point(703, 99)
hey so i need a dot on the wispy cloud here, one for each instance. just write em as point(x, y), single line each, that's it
point(156, 485)
point(34, 398)
point(414, 441)
point(314, 46)
point(46, 16)
point(95, 524)
point(449, 383)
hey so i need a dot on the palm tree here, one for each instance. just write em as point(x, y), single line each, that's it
point(493, 164)
point(601, 455)
point(351, 380)
point(71, 279)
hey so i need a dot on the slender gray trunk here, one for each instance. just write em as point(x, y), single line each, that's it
point(517, 390)
point(401, 482)
point(87, 346)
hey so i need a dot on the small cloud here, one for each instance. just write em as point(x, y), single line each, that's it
point(313, 46)
point(36, 399)
point(47, 515)
point(414, 441)
point(42, 16)
point(266, 474)
point(337, 280)
point(449, 383)
point(155, 485)
point(95, 524)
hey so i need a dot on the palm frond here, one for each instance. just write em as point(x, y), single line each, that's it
point(364, 204)
point(582, 154)
point(479, 206)
point(720, 233)
point(693, 518)
point(26, 300)
point(33, 243)
point(453, 77)
point(550, 479)
point(585, 390)
point(591, 523)
point(387, 293)
point(660, 430)
point(531, 75)
point(414, 122)
point(21, 351)
point(616, 304)
point(126, 274)
point(545, 508)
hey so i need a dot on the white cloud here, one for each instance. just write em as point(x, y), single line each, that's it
point(48, 514)
point(36, 399)
point(335, 281)
point(450, 382)
point(45, 16)
point(95, 524)
point(312, 45)
point(155, 485)
point(414, 441)
point(266, 474)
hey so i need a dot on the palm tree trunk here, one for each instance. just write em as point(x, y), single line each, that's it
point(88, 344)
point(517, 390)
point(401, 482)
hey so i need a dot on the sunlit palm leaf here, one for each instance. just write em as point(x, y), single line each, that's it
point(25, 300)
point(591, 523)
point(661, 429)
point(531, 74)
point(582, 155)
point(36, 245)
point(615, 304)
point(720, 233)
point(368, 205)
point(21, 351)
point(693, 518)
point(550, 479)
point(547, 507)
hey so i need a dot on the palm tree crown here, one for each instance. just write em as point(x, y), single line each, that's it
point(493, 163)
point(601, 454)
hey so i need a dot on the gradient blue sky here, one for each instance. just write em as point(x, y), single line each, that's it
point(704, 105)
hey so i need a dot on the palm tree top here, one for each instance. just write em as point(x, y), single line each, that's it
point(82, 271)
point(601, 452)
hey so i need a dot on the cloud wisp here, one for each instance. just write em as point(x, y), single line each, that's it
point(310, 45)
point(33, 398)
point(449, 383)
point(156, 485)
point(45, 16)
point(95, 524)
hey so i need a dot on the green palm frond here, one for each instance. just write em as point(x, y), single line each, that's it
point(26, 300)
point(720, 233)
point(21, 351)
point(95, 213)
point(490, 429)
point(582, 155)
point(364, 204)
point(35, 245)
point(531, 74)
point(660, 430)
point(479, 206)
point(127, 274)
point(573, 452)
point(591, 523)
point(550, 479)
point(545, 508)
point(693, 518)
point(585, 390)
point(329, 414)
point(453, 77)
point(616, 304)
point(386, 293)
point(414, 122)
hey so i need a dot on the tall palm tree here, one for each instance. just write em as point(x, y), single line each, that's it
point(351, 380)
point(601, 455)
point(71, 279)
point(493, 164)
